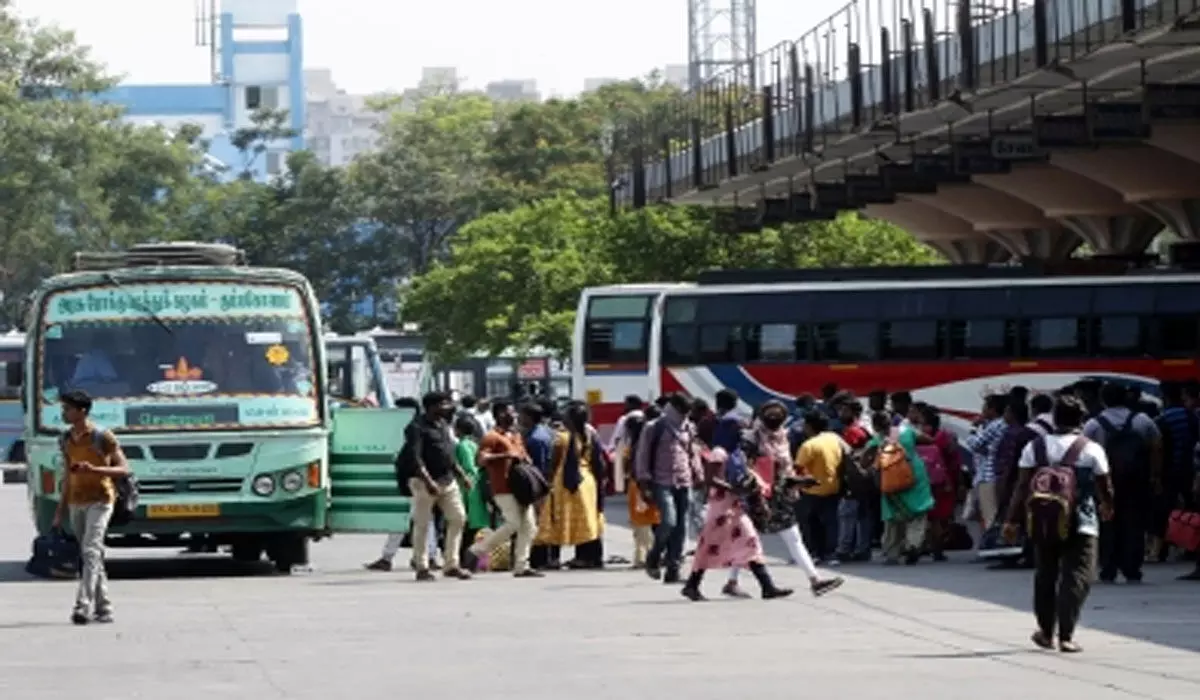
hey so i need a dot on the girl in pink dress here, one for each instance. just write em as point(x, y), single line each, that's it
point(729, 538)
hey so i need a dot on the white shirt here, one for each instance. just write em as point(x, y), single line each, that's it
point(485, 420)
point(616, 442)
point(1039, 423)
point(1091, 457)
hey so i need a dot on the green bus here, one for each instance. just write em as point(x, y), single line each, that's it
point(215, 376)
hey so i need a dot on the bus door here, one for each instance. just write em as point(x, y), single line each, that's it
point(363, 445)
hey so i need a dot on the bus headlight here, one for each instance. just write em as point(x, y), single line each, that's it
point(264, 485)
point(293, 482)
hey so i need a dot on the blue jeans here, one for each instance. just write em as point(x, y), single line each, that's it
point(855, 523)
point(670, 535)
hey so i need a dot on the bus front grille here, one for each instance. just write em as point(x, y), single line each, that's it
point(163, 486)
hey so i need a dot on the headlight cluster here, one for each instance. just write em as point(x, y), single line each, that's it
point(291, 481)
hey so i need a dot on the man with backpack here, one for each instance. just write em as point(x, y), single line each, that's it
point(1180, 428)
point(1062, 477)
point(1133, 446)
point(94, 463)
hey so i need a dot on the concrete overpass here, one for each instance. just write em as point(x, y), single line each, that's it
point(990, 129)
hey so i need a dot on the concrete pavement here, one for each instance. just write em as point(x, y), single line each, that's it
point(198, 627)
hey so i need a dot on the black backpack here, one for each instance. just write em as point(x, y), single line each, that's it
point(125, 504)
point(406, 459)
point(1128, 453)
point(527, 484)
point(859, 475)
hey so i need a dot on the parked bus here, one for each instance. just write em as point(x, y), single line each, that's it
point(949, 335)
point(213, 375)
point(12, 422)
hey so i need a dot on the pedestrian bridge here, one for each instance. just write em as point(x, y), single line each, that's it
point(990, 129)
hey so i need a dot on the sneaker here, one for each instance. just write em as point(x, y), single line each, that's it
point(425, 575)
point(104, 618)
point(828, 585)
point(381, 565)
point(458, 573)
point(79, 618)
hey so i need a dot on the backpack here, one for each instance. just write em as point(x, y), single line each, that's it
point(527, 484)
point(406, 459)
point(858, 472)
point(1052, 493)
point(125, 503)
point(1128, 454)
point(895, 471)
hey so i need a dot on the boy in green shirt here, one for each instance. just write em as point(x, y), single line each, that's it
point(475, 500)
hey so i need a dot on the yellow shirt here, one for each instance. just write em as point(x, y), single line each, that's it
point(85, 488)
point(820, 457)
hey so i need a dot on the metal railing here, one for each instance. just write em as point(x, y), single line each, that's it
point(859, 73)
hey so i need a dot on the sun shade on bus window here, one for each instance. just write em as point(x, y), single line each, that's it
point(982, 303)
point(1177, 298)
point(619, 307)
point(1053, 301)
point(1123, 299)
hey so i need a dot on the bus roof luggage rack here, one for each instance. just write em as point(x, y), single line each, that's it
point(880, 273)
point(163, 254)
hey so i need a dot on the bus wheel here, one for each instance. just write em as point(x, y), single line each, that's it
point(247, 551)
point(289, 551)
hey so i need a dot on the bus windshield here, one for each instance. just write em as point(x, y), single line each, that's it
point(178, 356)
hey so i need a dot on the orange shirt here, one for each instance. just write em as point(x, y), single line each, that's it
point(86, 488)
point(498, 443)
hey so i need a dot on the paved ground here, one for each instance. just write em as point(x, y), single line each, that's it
point(201, 628)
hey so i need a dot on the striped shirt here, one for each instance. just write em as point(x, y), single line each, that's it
point(984, 443)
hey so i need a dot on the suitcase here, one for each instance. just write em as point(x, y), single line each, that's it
point(1183, 530)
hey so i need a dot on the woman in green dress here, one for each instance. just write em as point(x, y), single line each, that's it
point(904, 513)
point(475, 500)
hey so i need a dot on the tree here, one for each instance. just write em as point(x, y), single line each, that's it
point(426, 178)
point(73, 175)
point(513, 278)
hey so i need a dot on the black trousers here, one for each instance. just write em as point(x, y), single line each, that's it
point(1123, 539)
point(1062, 582)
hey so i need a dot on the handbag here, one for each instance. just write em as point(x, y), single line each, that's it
point(1183, 530)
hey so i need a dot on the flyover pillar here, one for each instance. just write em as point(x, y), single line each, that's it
point(949, 235)
point(1122, 234)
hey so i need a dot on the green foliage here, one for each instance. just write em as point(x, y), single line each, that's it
point(487, 218)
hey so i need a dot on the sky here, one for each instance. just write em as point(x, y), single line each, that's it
point(381, 45)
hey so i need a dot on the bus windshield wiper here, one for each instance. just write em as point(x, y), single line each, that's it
point(112, 279)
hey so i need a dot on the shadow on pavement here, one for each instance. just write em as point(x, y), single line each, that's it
point(1161, 611)
point(157, 567)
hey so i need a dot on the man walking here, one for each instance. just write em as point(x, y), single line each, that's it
point(668, 465)
point(435, 483)
point(502, 448)
point(1062, 476)
point(93, 459)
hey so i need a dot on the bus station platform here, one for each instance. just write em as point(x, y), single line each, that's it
point(200, 627)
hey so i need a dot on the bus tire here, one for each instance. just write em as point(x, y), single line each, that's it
point(247, 551)
point(289, 551)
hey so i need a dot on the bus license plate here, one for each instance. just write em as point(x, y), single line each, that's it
point(184, 510)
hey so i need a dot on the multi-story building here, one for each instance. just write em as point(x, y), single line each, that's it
point(340, 126)
point(513, 91)
point(593, 84)
point(258, 54)
point(676, 74)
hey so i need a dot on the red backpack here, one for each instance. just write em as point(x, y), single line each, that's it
point(1053, 493)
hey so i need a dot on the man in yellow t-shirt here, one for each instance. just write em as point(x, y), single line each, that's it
point(92, 459)
point(820, 457)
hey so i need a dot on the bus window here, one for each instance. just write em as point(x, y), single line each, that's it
point(781, 342)
point(851, 341)
point(912, 340)
point(983, 339)
point(679, 345)
point(14, 370)
point(616, 329)
point(1055, 337)
point(1119, 336)
point(720, 344)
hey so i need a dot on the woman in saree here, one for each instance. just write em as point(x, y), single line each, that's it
point(570, 515)
point(643, 513)
point(943, 465)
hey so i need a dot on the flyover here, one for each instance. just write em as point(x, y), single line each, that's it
point(990, 129)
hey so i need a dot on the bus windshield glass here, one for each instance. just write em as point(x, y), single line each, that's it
point(178, 356)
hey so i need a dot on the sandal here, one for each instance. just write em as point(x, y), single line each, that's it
point(1042, 639)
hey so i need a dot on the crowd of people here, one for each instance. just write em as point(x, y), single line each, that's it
point(834, 477)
